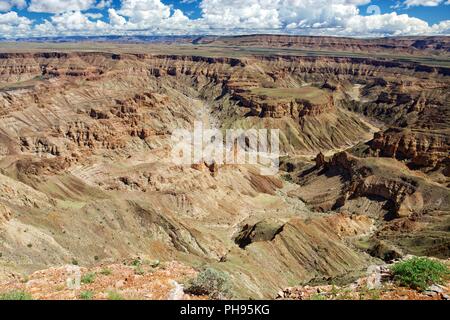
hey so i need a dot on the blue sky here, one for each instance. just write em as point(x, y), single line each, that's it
point(361, 18)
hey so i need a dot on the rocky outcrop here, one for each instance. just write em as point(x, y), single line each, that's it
point(403, 194)
point(371, 178)
point(295, 108)
point(421, 149)
point(262, 231)
point(320, 160)
point(5, 214)
point(385, 251)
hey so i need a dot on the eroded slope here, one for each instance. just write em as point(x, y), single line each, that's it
point(86, 171)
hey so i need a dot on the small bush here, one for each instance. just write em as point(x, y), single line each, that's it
point(16, 295)
point(211, 282)
point(136, 262)
point(419, 273)
point(86, 295)
point(138, 270)
point(318, 296)
point(113, 295)
point(88, 278)
point(106, 272)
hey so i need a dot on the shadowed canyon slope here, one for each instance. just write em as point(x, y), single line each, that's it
point(86, 172)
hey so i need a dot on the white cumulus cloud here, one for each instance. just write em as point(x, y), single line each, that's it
point(6, 5)
point(424, 3)
point(250, 14)
point(59, 6)
point(386, 24)
point(104, 4)
point(11, 24)
point(149, 15)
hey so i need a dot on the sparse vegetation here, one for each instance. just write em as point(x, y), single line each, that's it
point(370, 294)
point(212, 283)
point(114, 295)
point(338, 293)
point(60, 288)
point(138, 270)
point(136, 262)
point(418, 273)
point(86, 295)
point(16, 295)
point(318, 296)
point(105, 272)
point(88, 278)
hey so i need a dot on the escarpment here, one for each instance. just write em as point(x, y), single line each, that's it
point(394, 45)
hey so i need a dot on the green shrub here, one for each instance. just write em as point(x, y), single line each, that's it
point(86, 295)
point(113, 295)
point(317, 296)
point(136, 262)
point(106, 272)
point(138, 270)
point(16, 295)
point(88, 278)
point(212, 283)
point(419, 273)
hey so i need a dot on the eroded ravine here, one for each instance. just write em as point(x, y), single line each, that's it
point(86, 170)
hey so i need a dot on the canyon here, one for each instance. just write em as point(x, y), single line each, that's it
point(86, 173)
